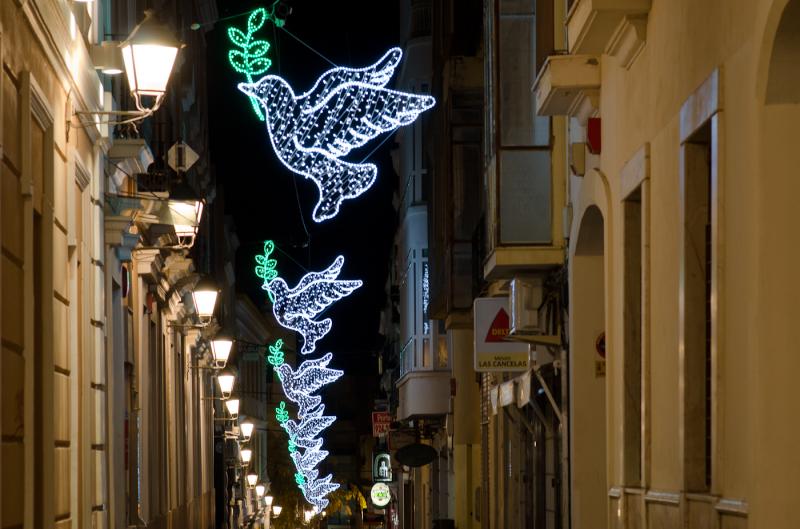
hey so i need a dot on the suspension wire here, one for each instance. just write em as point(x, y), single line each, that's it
point(377, 147)
point(304, 43)
point(294, 180)
point(306, 270)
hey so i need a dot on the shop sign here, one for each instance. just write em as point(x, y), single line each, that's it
point(380, 494)
point(381, 467)
point(380, 423)
point(492, 351)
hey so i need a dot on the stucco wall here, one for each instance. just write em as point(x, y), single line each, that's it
point(754, 460)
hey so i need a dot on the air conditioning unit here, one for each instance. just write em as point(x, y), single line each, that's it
point(524, 299)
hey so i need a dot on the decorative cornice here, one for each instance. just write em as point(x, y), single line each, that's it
point(118, 236)
point(628, 39)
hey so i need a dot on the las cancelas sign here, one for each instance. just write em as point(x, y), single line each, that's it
point(492, 351)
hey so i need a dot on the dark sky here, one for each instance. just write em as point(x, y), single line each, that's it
point(267, 201)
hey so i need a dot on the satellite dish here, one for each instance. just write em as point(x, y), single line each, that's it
point(416, 455)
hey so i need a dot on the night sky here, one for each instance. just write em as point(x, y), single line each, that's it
point(267, 201)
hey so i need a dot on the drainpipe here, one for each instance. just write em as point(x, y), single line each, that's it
point(134, 423)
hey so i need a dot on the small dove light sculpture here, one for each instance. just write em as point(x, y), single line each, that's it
point(298, 385)
point(344, 110)
point(295, 308)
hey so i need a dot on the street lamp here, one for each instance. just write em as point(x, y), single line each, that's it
point(247, 430)
point(221, 347)
point(225, 382)
point(276, 509)
point(149, 54)
point(204, 296)
point(246, 454)
point(183, 212)
point(233, 407)
point(268, 499)
point(252, 479)
point(260, 489)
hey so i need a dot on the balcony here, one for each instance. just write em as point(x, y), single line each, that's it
point(424, 384)
point(509, 261)
point(615, 27)
point(423, 394)
point(568, 85)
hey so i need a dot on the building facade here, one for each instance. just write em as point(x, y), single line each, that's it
point(632, 204)
point(679, 196)
point(103, 411)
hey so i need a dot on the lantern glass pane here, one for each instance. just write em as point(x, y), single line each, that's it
point(204, 302)
point(246, 454)
point(247, 429)
point(185, 216)
point(222, 350)
point(148, 67)
point(233, 406)
point(225, 384)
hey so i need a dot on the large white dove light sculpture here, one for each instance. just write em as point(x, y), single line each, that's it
point(295, 308)
point(345, 109)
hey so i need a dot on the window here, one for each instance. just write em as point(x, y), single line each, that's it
point(419, 349)
point(517, 141)
point(697, 316)
point(632, 336)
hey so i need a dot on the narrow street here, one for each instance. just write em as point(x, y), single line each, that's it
point(407, 264)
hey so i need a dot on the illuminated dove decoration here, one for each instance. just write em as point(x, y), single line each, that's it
point(309, 377)
point(344, 110)
point(296, 308)
point(315, 491)
point(308, 461)
point(308, 444)
point(306, 404)
point(305, 432)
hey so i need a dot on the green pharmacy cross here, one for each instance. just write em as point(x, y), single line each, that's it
point(250, 59)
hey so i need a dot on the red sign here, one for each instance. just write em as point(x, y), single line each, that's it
point(498, 330)
point(380, 423)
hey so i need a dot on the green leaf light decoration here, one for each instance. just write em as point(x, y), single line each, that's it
point(275, 356)
point(299, 478)
point(265, 268)
point(281, 413)
point(250, 59)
